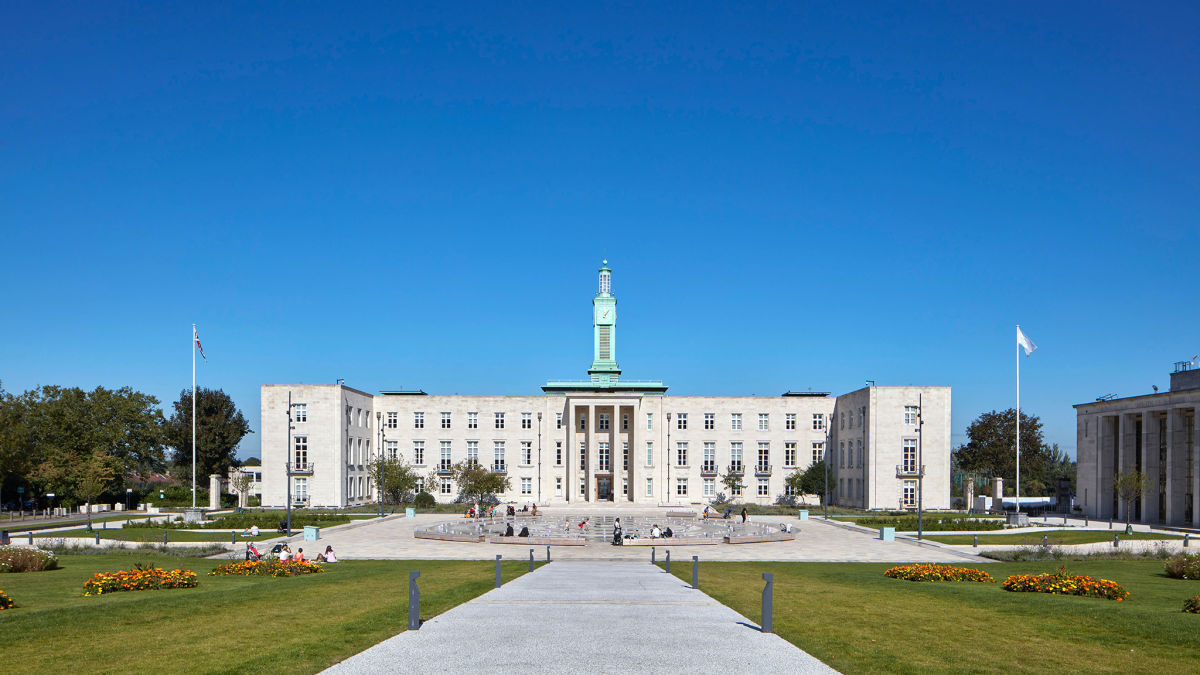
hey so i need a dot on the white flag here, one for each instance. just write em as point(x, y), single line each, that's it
point(1024, 342)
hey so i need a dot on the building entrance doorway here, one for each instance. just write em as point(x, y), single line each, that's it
point(604, 489)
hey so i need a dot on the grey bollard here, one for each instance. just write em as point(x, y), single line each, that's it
point(547, 554)
point(976, 544)
point(696, 572)
point(414, 601)
point(1186, 536)
point(4, 536)
point(104, 524)
point(1116, 540)
point(1110, 523)
point(164, 537)
point(1064, 520)
point(651, 550)
point(668, 561)
point(530, 560)
point(768, 601)
point(233, 537)
point(97, 538)
point(31, 539)
point(497, 570)
point(1085, 521)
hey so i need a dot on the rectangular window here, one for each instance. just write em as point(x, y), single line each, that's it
point(681, 421)
point(624, 456)
point(649, 453)
point(445, 487)
point(789, 490)
point(301, 411)
point(818, 421)
point(526, 420)
point(557, 420)
point(681, 487)
point(818, 451)
point(527, 453)
point(582, 487)
point(300, 454)
point(349, 415)
point(498, 464)
point(393, 420)
point(444, 463)
point(789, 454)
point(526, 486)
point(558, 486)
point(603, 421)
point(445, 420)
point(908, 498)
point(558, 453)
point(860, 454)
point(300, 489)
point(499, 420)
point(710, 487)
point(764, 421)
point(605, 457)
point(419, 453)
point(392, 448)
point(624, 421)
point(735, 422)
point(710, 421)
point(420, 484)
point(473, 452)
point(649, 421)
point(736, 492)
point(910, 414)
point(582, 455)
point(472, 420)
point(649, 487)
point(850, 423)
point(841, 454)
point(764, 489)
point(583, 421)
point(789, 422)
point(735, 456)
point(764, 456)
point(418, 420)
point(862, 416)
point(909, 456)
point(842, 423)
point(681, 448)
point(710, 457)
point(625, 487)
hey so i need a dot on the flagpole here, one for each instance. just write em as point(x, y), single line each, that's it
point(193, 416)
point(1018, 488)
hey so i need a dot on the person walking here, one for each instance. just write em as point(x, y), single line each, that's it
point(743, 515)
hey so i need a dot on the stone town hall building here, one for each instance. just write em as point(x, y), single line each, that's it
point(608, 439)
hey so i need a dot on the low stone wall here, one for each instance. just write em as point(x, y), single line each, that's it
point(446, 536)
point(537, 541)
point(681, 514)
point(673, 541)
point(760, 538)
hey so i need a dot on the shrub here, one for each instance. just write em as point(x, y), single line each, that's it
point(931, 524)
point(931, 572)
point(7, 602)
point(1061, 583)
point(424, 500)
point(24, 559)
point(275, 568)
point(140, 578)
point(1191, 605)
point(1184, 566)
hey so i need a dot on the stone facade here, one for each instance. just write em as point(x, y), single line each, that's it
point(1155, 434)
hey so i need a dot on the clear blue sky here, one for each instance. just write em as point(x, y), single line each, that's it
point(805, 195)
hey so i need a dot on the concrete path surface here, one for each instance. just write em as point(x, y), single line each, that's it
point(587, 616)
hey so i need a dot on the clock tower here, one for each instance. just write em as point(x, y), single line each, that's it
point(604, 368)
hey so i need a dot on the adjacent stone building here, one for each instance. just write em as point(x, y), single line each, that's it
point(1155, 434)
point(607, 439)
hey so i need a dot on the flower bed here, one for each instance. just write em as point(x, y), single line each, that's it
point(1191, 605)
point(7, 602)
point(26, 559)
point(1061, 583)
point(275, 568)
point(931, 572)
point(138, 579)
point(1184, 566)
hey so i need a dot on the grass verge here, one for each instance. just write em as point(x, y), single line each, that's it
point(856, 620)
point(1054, 537)
point(229, 624)
point(154, 535)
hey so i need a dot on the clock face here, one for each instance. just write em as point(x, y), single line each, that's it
point(605, 315)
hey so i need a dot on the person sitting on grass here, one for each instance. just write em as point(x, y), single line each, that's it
point(299, 557)
point(285, 553)
point(329, 556)
point(254, 530)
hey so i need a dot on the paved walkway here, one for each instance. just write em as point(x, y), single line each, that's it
point(593, 617)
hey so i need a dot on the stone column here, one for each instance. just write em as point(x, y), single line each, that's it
point(1175, 468)
point(1125, 462)
point(590, 445)
point(214, 491)
point(570, 451)
point(1151, 466)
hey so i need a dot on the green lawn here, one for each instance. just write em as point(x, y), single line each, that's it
point(855, 619)
point(1054, 537)
point(229, 624)
point(153, 535)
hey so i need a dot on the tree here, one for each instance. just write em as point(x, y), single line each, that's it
point(733, 482)
point(811, 481)
point(220, 426)
point(991, 447)
point(477, 483)
point(240, 483)
point(252, 461)
point(1130, 485)
point(400, 476)
point(93, 476)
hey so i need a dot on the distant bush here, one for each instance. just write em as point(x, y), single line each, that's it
point(931, 524)
point(1184, 566)
point(23, 559)
point(1191, 605)
point(424, 500)
point(720, 499)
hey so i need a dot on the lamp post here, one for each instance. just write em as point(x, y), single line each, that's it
point(920, 468)
point(288, 465)
point(539, 470)
point(382, 462)
point(128, 495)
point(825, 460)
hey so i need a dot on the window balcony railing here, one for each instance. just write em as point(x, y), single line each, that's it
point(300, 468)
point(708, 469)
point(737, 468)
point(908, 471)
point(499, 467)
point(444, 468)
point(762, 470)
